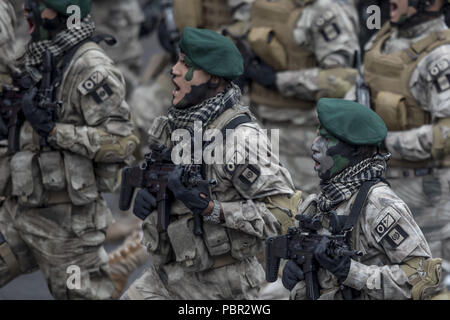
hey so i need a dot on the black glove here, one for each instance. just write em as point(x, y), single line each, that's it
point(144, 204)
point(339, 266)
point(196, 198)
point(260, 72)
point(41, 120)
point(292, 274)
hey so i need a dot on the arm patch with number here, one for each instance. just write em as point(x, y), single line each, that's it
point(328, 27)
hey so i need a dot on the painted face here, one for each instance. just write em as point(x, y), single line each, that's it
point(330, 154)
point(400, 10)
point(39, 18)
point(191, 85)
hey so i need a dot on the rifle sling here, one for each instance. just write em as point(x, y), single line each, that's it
point(358, 204)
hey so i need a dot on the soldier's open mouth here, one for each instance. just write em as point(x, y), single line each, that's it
point(176, 89)
point(393, 7)
point(31, 26)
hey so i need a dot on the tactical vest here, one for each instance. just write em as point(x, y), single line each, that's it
point(388, 76)
point(208, 14)
point(272, 39)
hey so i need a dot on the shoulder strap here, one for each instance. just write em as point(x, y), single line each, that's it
point(67, 58)
point(233, 124)
point(358, 204)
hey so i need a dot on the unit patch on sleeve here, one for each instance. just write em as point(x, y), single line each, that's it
point(384, 225)
point(328, 27)
point(249, 175)
point(96, 87)
point(440, 75)
point(396, 236)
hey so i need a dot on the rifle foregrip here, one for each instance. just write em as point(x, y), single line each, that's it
point(272, 261)
point(126, 191)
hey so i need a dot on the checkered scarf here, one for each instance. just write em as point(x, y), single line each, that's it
point(345, 184)
point(206, 112)
point(62, 43)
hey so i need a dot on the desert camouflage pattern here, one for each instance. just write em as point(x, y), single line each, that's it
point(193, 274)
point(297, 126)
point(8, 46)
point(54, 216)
point(387, 235)
point(427, 196)
point(122, 19)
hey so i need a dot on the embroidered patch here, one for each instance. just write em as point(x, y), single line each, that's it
point(385, 224)
point(91, 83)
point(441, 80)
point(396, 236)
point(250, 175)
point(330, 32)
point(102, 93)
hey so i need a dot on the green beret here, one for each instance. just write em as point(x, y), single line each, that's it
point(351, 122)
point(62, 5)
point(212, 52)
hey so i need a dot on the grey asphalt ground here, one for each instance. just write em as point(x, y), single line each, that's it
point(33, 286)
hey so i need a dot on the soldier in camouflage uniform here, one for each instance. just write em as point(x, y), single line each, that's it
point(54, 217)
point(407, 67)
point(123, 20)
point(395, 262)
point(306, 51)
point(152, 100)
point(238, 212)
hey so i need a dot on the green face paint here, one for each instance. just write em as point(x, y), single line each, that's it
point(191, 66)
point(331, 155)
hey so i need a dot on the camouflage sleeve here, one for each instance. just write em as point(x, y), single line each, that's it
point(394, 234)
point(329, 29)
point(430, 86)
point(7, 37)
point(98, 94)
point(254, 179)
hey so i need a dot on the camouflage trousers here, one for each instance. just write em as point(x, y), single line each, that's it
point(238, 281)
point(64, 241)
point(428, 198)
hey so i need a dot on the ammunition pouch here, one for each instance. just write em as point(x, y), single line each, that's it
point(52, 171)
point(336, 82)
point(441, 139)
point(81, 184)
point(189, 249)
point(26, 180)
point(284, 208)
point(424, 275)
point(398, 113)
point(264, 43)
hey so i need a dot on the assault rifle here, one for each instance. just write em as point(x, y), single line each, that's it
point(299, 245)
point(153, 175)
point(362, 89)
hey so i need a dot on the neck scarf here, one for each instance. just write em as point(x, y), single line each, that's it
point(62, 43)
point(206, 112)
point(342, 187)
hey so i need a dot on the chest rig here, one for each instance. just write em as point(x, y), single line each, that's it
point(208, 14)
point(272, 39)
point(388, 76)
